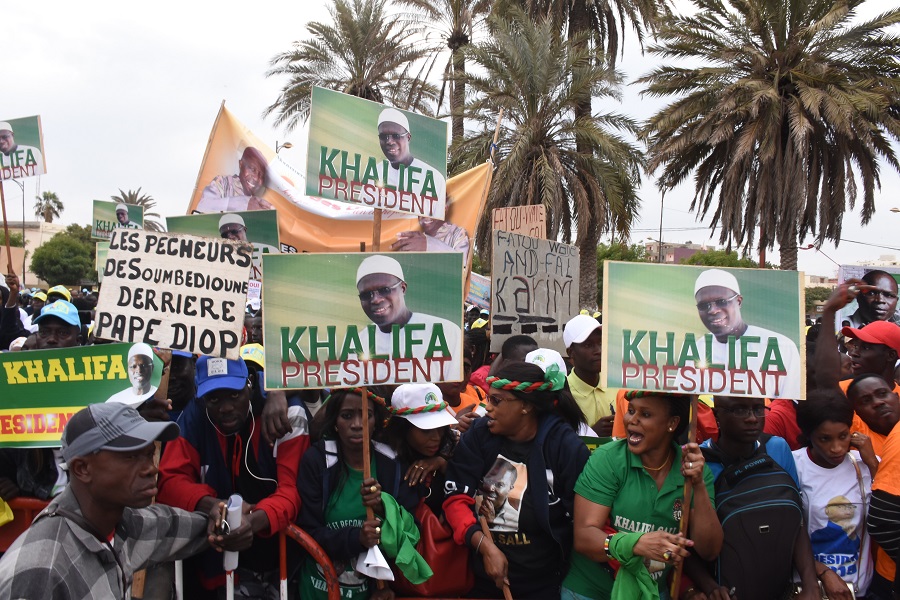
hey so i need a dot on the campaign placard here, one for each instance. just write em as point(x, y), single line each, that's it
point(101, 250)
point(879, 304)
point(174, 291)
point(366, 153)
point(479, 292)
point(528, 220)
point(42, 389)
point(21, 148)
point(259, 227)
point(109, 216)
point(534, 289)
point(703, 330)
point(344, 320)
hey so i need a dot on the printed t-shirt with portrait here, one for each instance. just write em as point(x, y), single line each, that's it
point(531, 551)
point(834, 513)
point(615, 477)
point(344, 509)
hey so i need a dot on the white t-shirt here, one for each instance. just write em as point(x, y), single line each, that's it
point(836, 537)
point(128, 397)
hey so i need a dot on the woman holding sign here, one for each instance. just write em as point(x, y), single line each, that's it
point(516, 469)
point(629, 501)
point(335, 495)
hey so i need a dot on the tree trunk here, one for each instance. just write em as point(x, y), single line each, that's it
point(588, 294)
point(458, 96)
point(788, 250)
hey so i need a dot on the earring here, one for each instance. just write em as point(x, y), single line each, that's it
point(670, 429)
point(524, 412)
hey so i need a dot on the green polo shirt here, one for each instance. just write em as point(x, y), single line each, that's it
point(614, 477)
point(594, 402)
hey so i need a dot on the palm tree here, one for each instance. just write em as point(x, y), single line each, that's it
point(365, 53)
point(787, 106)
point(48, 206)
point(152, 220)
point(538, 77)
point(456, 20)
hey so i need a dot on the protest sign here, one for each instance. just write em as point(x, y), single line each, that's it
point(109, 216)
point(42, 389)
point(174, 291)
point(101, 250)
point(871, 305)
point(308, 224)
point(534, 289)
point(319, 319)
point(21, 148)
point(527, 220)
point(702, 330)
point(365, 153)
point(479, 292)
point(259, 227)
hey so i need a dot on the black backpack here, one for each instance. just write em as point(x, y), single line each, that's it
point(761, 513)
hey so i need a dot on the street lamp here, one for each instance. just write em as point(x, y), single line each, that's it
point(280, 147)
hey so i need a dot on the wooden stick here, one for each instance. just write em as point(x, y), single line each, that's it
point(485, 530)
point(9, 265)
point(688, 495)
point(376, 231)
point(367, 467)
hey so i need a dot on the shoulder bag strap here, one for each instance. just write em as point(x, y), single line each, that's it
point(862, 534)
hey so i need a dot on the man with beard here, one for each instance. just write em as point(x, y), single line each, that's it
point(140, 372)
point(243, 191)
point(406, 173)
point(878, 302)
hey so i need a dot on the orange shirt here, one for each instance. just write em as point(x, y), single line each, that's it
point(859, 425)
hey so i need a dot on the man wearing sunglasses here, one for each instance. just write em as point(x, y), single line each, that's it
point(382, 287)
point(878, 303)
point(719, 301)
point(406, 173)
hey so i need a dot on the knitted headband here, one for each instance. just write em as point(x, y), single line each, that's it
point(554, 380)
point(404, 412)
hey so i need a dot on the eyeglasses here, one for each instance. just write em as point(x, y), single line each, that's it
point(394, 137)
point(720, 303)
point(234, 231)
point(58, 332)
point(382, 291)
point(742, 412)
point(497, 400)
point(870, 294)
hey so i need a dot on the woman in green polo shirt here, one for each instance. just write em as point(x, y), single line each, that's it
point(628, 504)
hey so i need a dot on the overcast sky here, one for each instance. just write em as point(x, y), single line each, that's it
point(128, 93)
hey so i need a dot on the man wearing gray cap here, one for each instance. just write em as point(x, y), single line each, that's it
point(18, 160)
point(406, 173)
point(737, 345)
point(91, 539)
point(381, 286)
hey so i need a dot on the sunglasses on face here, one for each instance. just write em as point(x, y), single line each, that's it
point(720, 303)
point(393, 137)
point(382, 291)
point(235, 231)
point(742, 412)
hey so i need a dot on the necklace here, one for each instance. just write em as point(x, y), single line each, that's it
point(660, 467)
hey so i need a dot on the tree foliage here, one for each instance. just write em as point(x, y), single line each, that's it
point(152, 220)
point(364, 52)
point(722, 258)
point(537, 76)
point(67, 258)
point(48, 206)
point(16, 240)
point(620, 252)
point(786, 107)
point(819, 293)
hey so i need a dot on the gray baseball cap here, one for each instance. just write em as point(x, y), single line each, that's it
point(112, 426)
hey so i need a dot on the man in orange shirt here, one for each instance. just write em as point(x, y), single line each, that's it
point(884, 526)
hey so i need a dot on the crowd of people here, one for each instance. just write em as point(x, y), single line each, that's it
point(494, 475)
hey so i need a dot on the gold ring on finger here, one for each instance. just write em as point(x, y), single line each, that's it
point(667, 555)
point(373, 489)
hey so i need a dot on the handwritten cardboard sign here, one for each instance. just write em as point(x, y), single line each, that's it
point(527, 220)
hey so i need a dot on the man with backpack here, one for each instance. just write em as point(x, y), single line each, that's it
point(759, 506)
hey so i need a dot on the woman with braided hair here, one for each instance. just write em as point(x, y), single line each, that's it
point(335, 495)
point(628, 505)
point(517, 467)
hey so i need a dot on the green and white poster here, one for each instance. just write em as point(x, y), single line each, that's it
point(259, 227)
point(703, 330)
point(368, 154)
point(109, 216)
point(21, 148)
point(345, 320)
point(101, 250)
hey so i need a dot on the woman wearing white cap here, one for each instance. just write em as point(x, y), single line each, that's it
point(517, 468)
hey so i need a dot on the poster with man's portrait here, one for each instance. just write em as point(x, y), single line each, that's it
point(878, 304)
point(725, 331)
point(21, 148)
point(499, 496)
point(347, 320)
point(109, 216)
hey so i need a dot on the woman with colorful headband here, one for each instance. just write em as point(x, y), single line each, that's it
point(335, 495)
point(517, 468)
point(629, 501)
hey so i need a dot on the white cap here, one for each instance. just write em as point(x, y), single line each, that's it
point(4, 126)
point(231, 219)
point(141, 349)
point(578, 329)
point(379, 263)
point(544, 357)
point(392, 115)
point(410, 396)
point(717, 277)
point(121, 206)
